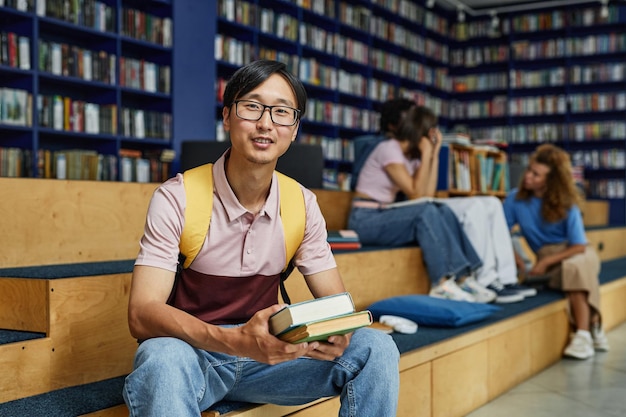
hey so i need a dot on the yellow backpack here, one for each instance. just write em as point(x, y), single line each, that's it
point(199, 191)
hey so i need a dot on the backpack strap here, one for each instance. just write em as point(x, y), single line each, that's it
point(292, 214)
point(199, 208)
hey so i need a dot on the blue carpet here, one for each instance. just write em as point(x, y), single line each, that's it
point(69, 270)
point(12, 336)
point(68, 402)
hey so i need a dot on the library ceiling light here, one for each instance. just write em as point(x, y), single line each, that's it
point(495, 20)
point(461, 14)
point(536, 5)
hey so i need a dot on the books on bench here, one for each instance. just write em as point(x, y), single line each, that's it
point(343, 239)
point(318, 319)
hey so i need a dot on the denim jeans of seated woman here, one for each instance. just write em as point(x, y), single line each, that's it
point(445, 247)
point(172, 378)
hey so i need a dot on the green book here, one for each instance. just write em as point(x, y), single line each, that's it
point(323, 329)
point(310, 311)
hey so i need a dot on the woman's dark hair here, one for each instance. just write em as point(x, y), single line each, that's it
point(415, 126)
point(249, 77)
point(391, 113)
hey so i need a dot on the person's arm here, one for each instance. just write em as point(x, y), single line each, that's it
point(545, 263)
point(434, 142)
point(423, 183)
point(149, 316)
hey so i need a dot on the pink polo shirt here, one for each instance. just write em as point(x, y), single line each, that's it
point(238, 243)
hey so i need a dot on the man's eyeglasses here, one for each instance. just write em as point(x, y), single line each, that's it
point(253, 111)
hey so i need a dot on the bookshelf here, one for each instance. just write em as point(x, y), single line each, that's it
point(551, 76)
point(467, 170)
point(351, 56)
point(83, 83)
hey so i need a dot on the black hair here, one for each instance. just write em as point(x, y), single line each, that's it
point(249, 77)
point(391, 113)
point(415, 126)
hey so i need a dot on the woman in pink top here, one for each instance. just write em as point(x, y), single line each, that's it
point(402, 163)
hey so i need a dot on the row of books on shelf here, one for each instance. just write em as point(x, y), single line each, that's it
point(82, 164)
point(142, 124)
point(15, 107)
point(568, 47)
point(597, 159)
point(15, 162)
point(14, 50)
point(552, 132)
point(560, 19)
point(145, 75)
point(472, 168)
point(146, 27)
point(64, 113)
point(73, 61)
point(334, 149)
point(607, 188)
point(534, 22)
point(93, 14)
point(334, 179)
point(540, 105)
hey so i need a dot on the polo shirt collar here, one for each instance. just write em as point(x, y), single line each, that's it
point(225, 194)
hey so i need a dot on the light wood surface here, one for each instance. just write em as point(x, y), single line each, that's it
point(24, 304)
point(50, 222)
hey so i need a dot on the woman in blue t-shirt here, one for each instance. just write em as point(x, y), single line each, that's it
point(545, 207)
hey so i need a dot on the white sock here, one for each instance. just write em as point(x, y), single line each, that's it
point(584, 333)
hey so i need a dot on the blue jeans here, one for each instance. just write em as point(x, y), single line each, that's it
point(171, 378)
point(445, 247)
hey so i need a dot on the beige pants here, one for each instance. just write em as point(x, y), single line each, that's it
point(578, 273)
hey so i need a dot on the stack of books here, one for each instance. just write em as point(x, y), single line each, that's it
point(318, 319)
point(343, 240)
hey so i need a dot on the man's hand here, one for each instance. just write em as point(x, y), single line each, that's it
point(254, 340)
point(332, 348)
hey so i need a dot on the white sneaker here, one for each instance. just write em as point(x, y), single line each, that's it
point(600, 341)
point(480, 293)
point(580, 346)
point(449, 290)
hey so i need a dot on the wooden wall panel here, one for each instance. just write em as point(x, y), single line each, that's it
point(368, 279)
point(24, 369)
point(608, 242)
point(24, 304)
point(613, 304)
point(56, 222)
point(335, 206)
point(460, 381)
point(415, 387)
point(549, 336)
point(509, 360)
point(595, 212)
point(89, 328)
